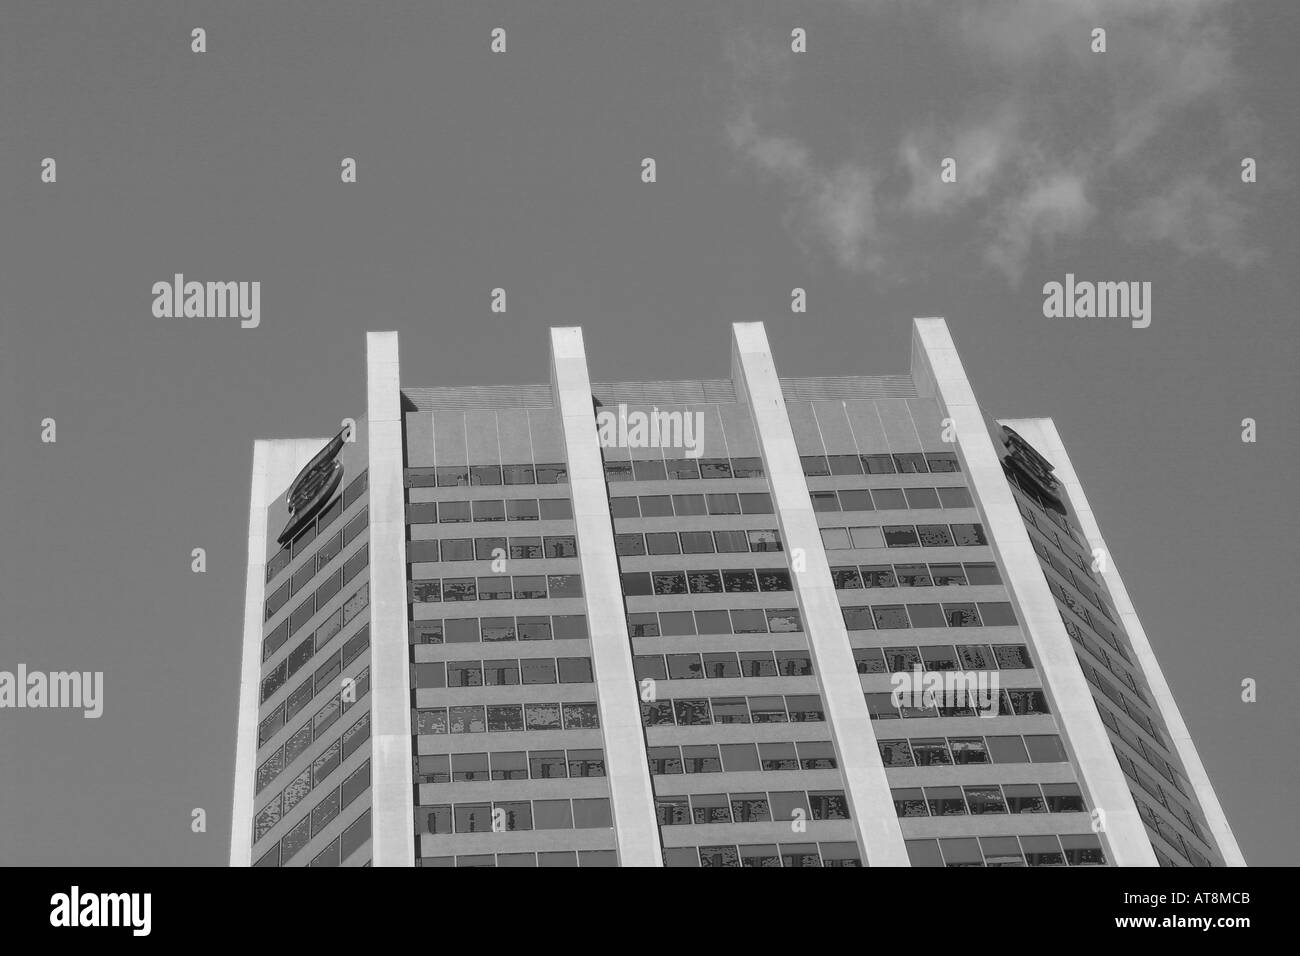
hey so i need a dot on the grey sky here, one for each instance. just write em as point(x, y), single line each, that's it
point(522, 170)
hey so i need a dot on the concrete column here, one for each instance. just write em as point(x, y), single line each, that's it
point(392, 793)
point(938, 372)
point(1042, 434)
point(627, 763)
point(275, 463)
point(754, 373)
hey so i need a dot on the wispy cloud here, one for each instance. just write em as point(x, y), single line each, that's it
point(1058, 142)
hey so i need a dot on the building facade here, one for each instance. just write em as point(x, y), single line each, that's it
point(698, 623)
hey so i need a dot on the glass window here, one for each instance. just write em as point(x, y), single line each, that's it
point(518, 474)
point(868, 660)
point(662, 542)
point(670, 582)
point(985, 800)
point(901, 536)
point(494, 588)
point(731, 542)
point(521, 509)
point(454, 512)
point(913, 575)
point(649, 470)
point(982, 574)
point(739, 580)
point(697, 542)
point(967, 535)
point(467, 719)
point(895, 753)
point(815, 466)
point(955, 498)
point(824, 501)
point(752, 621)
point(961, 615)
point(489, 510)
point(1007, 749)
point(569, 627)
point(920, 498)
point(656, 506)
point(468, 767)
point(911, 463)
point(764, 540)
point(722, 504)
point(537, 670)
point(889, 499)
point(629, 545)
point(575, 670)
point(556, 509)
point(738, 758)
point(890, 616)
point(547, 764)
point(835, 539)
point(1024, 798)
point(756, 503)
point(867, 537)
point(681, 469)
point(544, 716)
point(941, 461)
point(934, 536)
point(529, 587)
point(624, 508)
point(997, 614)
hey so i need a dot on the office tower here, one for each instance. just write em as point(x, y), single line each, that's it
point(668, 623)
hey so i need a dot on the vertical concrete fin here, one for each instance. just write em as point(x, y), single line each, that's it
point(631, 795)
point(392, 788)
point(938, 372)
point(754, 375)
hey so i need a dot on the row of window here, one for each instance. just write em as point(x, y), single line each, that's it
point(489, 509)
point(323, 555)
point(728, 580)
point(329, 760)
point(882, 617)
point(723, 664)
point(738, 621)
point(851, 577)
point(328, 628)
point(490, 549)
point(765, 854)
point(545, 858)
point(668, 506)
point(469, 630)
point(700, 711)
point(891, 499)
point(338, 850)
point(792, 805)
point(1157, 826)
point(969, 751)
point(314, 729)
point(322, 521)
point(683, 469)
point(1076, 577)
point(581, 813)
point(1094, 677)
point(990, 798)
point(697, 542)
point(502, 672)
point(499, 718)
point(355, 562)
point(1083, 849)
point(509, 765)
point(1021, 703)
point(282, 714)
point(740, 758)
point(453, 476)
point(820, 755)
point(942, 657)
point(499, 587)
point(1028, 491)
point(301, 655)
point(905, 463)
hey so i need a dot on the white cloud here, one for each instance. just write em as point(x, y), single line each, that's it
point(1198, 217)
point(1059, 142)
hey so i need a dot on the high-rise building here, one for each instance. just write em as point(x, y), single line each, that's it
point(745, 621)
